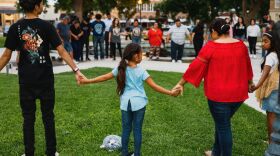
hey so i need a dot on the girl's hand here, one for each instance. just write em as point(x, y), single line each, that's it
point(175, 92)
point(180, 88)
point(84, 80)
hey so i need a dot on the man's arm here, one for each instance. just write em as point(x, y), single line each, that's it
point(5, 58)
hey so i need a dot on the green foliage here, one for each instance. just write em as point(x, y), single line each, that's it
point(86, 114)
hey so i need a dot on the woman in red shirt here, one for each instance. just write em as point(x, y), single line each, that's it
point(225, 66)
point(155, 39)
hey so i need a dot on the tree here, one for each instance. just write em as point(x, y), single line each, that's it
point(209, 9)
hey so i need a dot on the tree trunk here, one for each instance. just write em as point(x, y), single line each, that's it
point(78, 8)
point(253, 10)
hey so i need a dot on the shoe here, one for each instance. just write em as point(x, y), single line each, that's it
point(255, 56)
point(157, 58)
point(88, 59)
point(153, 57)
point(76, 62)
point(63, 62)
point(114, 59)
point(179, 61)
point(56, 154)
point(251, 56)
point(173, 61)
point(208, 153)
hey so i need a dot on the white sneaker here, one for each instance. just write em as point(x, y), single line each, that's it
point(76, 62)
point(255, 56)
point(251, 56)
point(153, 57)
point(63, 62)
point(179, 61)
point(173, 61)
point(56, 154)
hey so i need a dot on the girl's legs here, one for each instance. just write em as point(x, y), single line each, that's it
point(254, 45)
point(120, 49)
point(250, 45)
point(270, 120)
point(127, 118)
point(138, 118)
point(222, 113)
point(113, 50)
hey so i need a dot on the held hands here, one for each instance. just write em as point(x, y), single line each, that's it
point(177, 90)
point(79, 76)
point(252, 88)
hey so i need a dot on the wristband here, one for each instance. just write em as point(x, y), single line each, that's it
point(76, 69)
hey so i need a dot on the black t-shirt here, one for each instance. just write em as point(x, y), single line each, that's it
point(75, 31)
point(86, 29)
point(198, 34)
point(33, 37)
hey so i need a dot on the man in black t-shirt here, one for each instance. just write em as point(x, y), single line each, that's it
point(33, 37)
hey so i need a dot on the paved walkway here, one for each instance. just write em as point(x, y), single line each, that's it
point(151, 65)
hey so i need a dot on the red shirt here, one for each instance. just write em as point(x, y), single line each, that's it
point(226, 69)
point(155, 37)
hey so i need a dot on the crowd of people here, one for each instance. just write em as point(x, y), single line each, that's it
point(225, 88)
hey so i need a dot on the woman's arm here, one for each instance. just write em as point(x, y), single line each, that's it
point(98, 79)
point(160, 89)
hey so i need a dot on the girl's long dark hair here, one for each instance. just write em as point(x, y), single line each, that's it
point(129, 51)
point(114, 22)
point(272, 47)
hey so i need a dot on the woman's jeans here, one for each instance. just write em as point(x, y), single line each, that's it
point(222, 113)
point(132, 119)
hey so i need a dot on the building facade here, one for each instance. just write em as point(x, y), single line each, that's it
point(274, 10)
point(8, 12)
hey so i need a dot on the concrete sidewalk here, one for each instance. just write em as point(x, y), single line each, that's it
point(152, 65)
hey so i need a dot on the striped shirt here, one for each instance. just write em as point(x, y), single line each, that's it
point(178, 34)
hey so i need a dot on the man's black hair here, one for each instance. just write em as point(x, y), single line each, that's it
point(29, 5)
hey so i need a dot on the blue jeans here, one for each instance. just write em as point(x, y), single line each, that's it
point(222, 113)
point(129, 119)
point(136, 40)
point(98, 40)
point(176, 51)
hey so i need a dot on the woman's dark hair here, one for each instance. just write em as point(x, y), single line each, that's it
point(242, 20)
point(98, 16)
point(29, 5)
point(220, 26)
point(272, 47)
point(129, 51)
point(276, 39)
point(252, 20)
point(200, 26)
point(114, 23)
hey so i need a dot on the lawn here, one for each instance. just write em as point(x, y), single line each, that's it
point(2, 41)
point(85, 115)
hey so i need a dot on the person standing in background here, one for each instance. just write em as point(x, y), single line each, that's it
point(85, 38)
point(76, 42)
point(136, 31)
point(108, 24)
point(239, 29)
point(155, 40)
point(253, 31)
point(115, 38)
point(177, 34)
point(98, 28)
point(198, 37)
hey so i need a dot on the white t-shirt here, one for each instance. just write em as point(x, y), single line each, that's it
point(178, 34)
point(253, 31)
point(108, 24)
point(272, 61)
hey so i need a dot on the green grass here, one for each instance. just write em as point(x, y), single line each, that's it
point(2, 41)
point(85, 115)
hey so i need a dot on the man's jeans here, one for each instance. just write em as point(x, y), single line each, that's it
point(28, 96)
point(176, 51)
point(222, 113)
point(132, 119)
point(98, 40)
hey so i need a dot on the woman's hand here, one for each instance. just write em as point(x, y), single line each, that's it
point(175, 92)
point(180, 88)
point(252, 88)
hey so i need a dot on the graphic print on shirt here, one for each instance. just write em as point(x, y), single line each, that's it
point(136, 32)
point(32, 43)
point(98, 28)
point(116, 31)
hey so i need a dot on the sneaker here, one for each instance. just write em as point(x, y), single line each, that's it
point(56, 154)
point(179, 61)
point(255, 56)
point(153, 57)
point(63, 62)
point(88, 59)
point(173, 61)
point(251, 56)
point(157, 58)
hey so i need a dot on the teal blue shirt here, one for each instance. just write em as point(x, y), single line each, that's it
point(134, 88)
